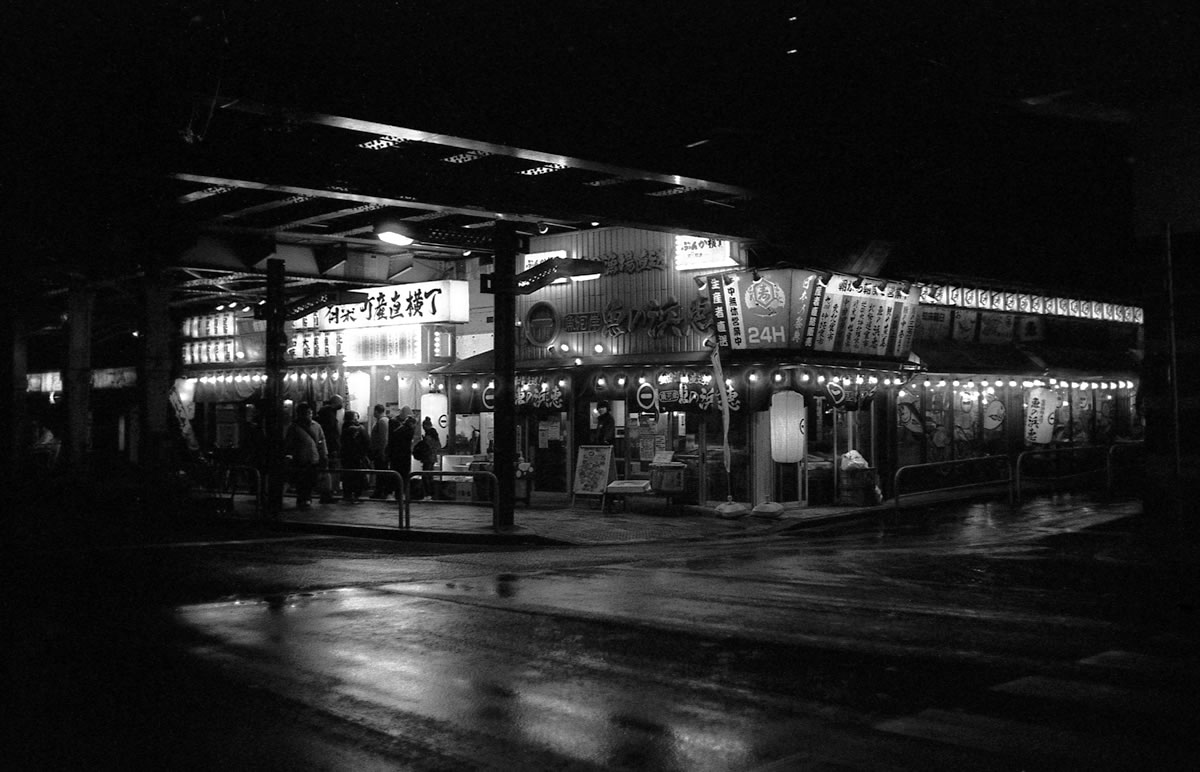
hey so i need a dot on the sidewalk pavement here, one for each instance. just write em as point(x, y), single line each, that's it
point(551, 518)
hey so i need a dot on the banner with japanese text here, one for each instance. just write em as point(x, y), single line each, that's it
point(797, 308)
point(419, 303)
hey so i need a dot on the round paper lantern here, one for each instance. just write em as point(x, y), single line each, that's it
point(788, 430)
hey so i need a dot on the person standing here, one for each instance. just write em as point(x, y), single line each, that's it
point(379, 456)
point(327, 417)
point(400, 443)
point(304, 448)
point(430, 445)
point(356, 450)
point(605, 426)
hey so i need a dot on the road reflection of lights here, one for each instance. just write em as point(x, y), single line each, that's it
point(561, 724)
point(709, 747)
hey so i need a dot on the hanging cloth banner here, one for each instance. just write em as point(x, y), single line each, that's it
point(719, 388)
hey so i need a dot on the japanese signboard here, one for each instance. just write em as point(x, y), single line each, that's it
point(763, 309)
point(794, 308)
point(696, 252)
point(419, 303)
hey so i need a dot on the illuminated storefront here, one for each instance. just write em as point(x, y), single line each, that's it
point(900, 372)
point(375, 351)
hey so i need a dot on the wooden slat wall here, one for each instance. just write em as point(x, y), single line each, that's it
point(633, 290)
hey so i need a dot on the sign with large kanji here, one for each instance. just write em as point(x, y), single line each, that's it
point(419, 303)
point(797, 308)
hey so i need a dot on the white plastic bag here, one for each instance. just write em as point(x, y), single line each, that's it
point(852, 459)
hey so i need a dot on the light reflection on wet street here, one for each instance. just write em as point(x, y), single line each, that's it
point(709, 656)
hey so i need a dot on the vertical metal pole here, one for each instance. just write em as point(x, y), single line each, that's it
point(506, 243)
point(273, 390)
point(77, 383)
point(13, 385)
point(154, 380)
point(1173, 367)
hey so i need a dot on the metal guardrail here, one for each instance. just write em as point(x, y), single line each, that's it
point(1072, 455)
point(221, 480)
point(964, 468)
point(401, 488)
point(474, 474)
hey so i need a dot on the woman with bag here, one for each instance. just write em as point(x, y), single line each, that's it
point(426, 451)
point(304, 448)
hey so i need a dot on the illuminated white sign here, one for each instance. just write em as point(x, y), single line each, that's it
point(696, 252)
point(536, 258)
point(400, 345)
point(393, 304)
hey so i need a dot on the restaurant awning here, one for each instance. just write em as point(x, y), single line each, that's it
point(1076, 362)
point(977, 358)
point(485, 363)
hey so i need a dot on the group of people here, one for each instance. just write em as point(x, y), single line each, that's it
point(326, 455)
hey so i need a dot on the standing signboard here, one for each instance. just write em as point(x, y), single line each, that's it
point(595, 468)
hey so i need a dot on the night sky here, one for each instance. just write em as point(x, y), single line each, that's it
point(907, 125)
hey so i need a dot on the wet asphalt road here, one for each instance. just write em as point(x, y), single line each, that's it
point(967, 637)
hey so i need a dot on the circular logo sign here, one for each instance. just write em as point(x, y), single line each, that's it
point(541, 324)
point(645, 397)
point(764, 298)
point(489, 398)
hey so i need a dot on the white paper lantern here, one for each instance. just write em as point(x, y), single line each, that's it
point(788, 431)
point(1040, 406)
point(435, 408)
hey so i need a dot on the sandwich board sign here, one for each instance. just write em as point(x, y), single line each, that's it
point(595, 468)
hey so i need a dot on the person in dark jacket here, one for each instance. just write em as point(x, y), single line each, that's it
point(355, 455)
point(400, 443)
point(430, 445)
point(327, 417)
point(379, 458)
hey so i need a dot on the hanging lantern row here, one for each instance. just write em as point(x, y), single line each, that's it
point(522, 383)
point(808, 380)
point(989, 385)
point(429, 384)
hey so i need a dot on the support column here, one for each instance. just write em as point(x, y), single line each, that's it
point(506, 245)
point(156, 443)
point(77, 378)
point(273, 390)
point(13, 383)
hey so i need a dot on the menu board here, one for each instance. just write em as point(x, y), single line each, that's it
point(797, 308)
point(594, 469)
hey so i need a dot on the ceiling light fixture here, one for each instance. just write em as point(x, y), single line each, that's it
point(395, 233)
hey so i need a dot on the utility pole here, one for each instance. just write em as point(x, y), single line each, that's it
point(273, 389)
point(506, 243)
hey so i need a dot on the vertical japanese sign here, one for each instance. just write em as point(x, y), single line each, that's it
point(852, 315)
point(764, 309)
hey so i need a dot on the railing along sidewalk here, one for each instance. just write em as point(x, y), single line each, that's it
point(1072, 456)
point(474, 475)
point(401, 488)
point(991, 471)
